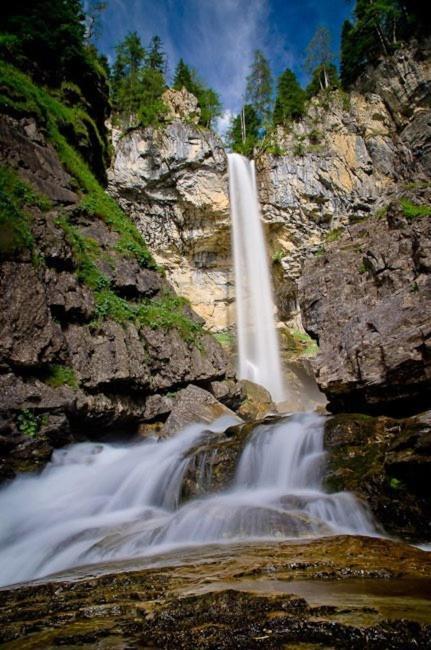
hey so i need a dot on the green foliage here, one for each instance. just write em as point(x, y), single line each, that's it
point(208, 99)
point(413, 210)
point(334, 235)
point(323, 78)
point(319, 63)
point(277, 256)
point(28, 423)
point(290, 100)
point(315, 136)
point(300, 343)
point(167, 312)
point(47, 40)
point(61, 376)
point(225, 338)
point(241, 140)
point(15, 199)
point(259, 88)
point(138, 80)
point(378, 28)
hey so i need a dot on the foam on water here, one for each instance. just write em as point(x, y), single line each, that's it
point(97, 502)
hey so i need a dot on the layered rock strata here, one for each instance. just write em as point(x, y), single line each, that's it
point(172, 181)
point(366, 300)
point(70, 365)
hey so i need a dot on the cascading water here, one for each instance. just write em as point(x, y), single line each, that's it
point(258, 348)
point(99, 502)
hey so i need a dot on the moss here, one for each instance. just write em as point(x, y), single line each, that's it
point(225, 338)
point(61, 376)
point(413, 210)
point(16, 197)
point(22, 96)
point(277, 256)
point(299, 343)
point(334, 234)
point(166, 312)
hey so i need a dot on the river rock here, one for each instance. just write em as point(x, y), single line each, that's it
point(386, 462)
point(193, 404)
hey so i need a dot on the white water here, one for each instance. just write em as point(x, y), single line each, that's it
point(99, 502)
point(258, 348)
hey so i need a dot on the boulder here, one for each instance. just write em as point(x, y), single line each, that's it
point(257, 401)
point(193, 404)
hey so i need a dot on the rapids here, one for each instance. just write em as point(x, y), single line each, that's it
point(100, 502)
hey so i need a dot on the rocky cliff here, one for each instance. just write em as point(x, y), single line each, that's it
point(173, 183)
point(344, 159)
point(92, 336)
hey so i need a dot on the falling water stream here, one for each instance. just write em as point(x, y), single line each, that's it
point(258, 348)
point(100, 502)
point(95, 503)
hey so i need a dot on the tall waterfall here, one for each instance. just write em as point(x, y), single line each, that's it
point(258, 348)
point(98, 502)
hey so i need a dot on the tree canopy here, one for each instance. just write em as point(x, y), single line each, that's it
point(208, 100)
point(290, 100)
point(243, 133)
point(259, 87)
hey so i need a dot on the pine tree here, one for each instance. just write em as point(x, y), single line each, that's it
point(243, 133)
point(126, 81)
point(290, 101)
point(156, 57)
point(259, 87)
point(183, 77)
point(319, 55)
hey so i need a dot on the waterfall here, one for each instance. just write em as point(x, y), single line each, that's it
point(258, 348)
point(99, 502)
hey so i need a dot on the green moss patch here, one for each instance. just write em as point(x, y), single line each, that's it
point(61, 376)
point(413, 210)
point(16, 197)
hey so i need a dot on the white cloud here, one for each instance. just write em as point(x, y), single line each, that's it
point(223, 122)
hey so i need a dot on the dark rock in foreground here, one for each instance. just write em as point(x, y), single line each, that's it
point(339, 592)
point(387, 463)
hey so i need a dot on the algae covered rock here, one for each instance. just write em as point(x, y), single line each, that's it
point(387, 463)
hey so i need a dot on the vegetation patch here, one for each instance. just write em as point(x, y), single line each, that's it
point(334, 234)
point(300, 343)
point(29, 423)
point(413, 210)
point(61, 376)
point(16, 197)
point(225, 338)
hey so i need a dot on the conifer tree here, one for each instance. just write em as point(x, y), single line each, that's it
point(156, 57)
point(259, 87)
point(183, 77)
point(319, 56)
point(290, 101)
point(243, 133)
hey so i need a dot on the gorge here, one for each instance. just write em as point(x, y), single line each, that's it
point(215, 354)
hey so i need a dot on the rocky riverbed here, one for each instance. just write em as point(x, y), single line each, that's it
point(339, 592)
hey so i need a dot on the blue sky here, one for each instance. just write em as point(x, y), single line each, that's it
point(218, 37)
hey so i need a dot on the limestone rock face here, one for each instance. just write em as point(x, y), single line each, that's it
point(181, 105)
point(367, 301)
point(173, 183)
point(343, 161)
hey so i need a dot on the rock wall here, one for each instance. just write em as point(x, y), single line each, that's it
point(173, 183)
point(367, 301)
point(119, 373)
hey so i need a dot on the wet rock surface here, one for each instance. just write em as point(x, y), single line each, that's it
point(245, 596)
point(366, 301)
point(387, 463)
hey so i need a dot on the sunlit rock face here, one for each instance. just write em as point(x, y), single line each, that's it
point(173, 183)
point(343, 160)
